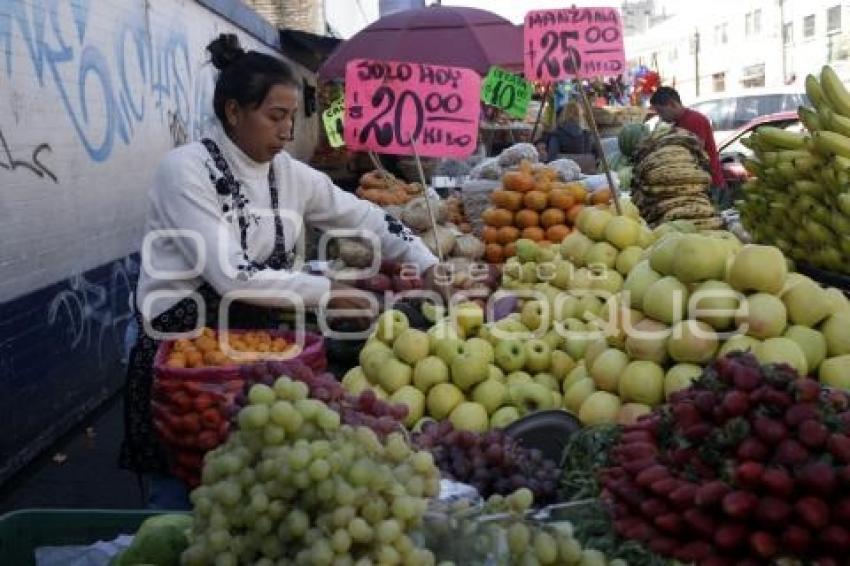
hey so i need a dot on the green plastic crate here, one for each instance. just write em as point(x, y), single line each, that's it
point(21, 532)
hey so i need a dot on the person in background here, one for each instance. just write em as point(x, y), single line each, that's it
point(569, 137)
point(667, 103)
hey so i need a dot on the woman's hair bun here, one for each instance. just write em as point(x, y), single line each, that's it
point(225, 50)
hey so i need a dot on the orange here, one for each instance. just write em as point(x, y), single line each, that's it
point(561, 198)
point(497, 217)
point(500, 198)
point(176, 361)
point(508, 234)
point(493, 253)
point(552, 216)
point(518, 181)
point(557, 233)
point(533, 233)
point(279, 345)
point(509, 250)
point(573, 213)
point(546, 175)
point(535, 200)
point(601, 196)
point(490, 234)
point(525, 218)
point(513, 200)
point(578, 191)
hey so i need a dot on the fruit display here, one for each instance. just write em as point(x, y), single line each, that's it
point(799, 198)
point(295, 485)
point(533, 204)
point(384, 189)
point(628, 140)
point(205, 351)
point(670, 179)
point(161, 539)
point(491, 462)
point(746, 466)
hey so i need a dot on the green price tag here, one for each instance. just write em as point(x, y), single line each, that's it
point(333, 120)
point(507, 91)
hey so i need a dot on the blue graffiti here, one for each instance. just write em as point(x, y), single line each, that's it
point(149, 68)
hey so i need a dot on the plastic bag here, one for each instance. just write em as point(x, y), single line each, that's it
point(487, 169)
point(568, 170)
point(193, 407)
point(515, 154)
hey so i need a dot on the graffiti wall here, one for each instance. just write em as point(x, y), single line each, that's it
point(92, 95)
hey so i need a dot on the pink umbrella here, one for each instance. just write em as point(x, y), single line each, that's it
point(439, 35)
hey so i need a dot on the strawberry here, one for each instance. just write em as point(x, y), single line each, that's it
point(778, 482)
point(739, 504)
point(670, 522)
point(665, 486)
point(748, 474)
point(791, 453)
point(752, 449)
point(700, 521)
point(763, 544)
point(807, 390)
point(839, 446)
point(836, 538)
point(812, 433)
point(684, 495)
point(663, 546)
point(813, 511)
point(651, 475)
point(654, 507)
point(710, 493)
point(636, 466)
point(730, 536)
point(736, 403)
point(796, 540)
point(800, 412)
point(817, 477)
point(769, 430)
point(773, 510)
point(841, 510)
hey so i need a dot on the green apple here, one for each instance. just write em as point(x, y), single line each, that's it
point(589, 306)
point(538, 356)
point(648, 341)
point(371, 348)
point(627, 259)
point(432, 312)
point(510, 355)
point(663, 252)
point(807, 303)
point(679, 377)
point(531, 397)
point(609, 281)
point(442, 330)
point(783, 350)
point(642, 382)
point(836, 330)
point(517, 377)
point(374, 365)
point(577, 393)
point(469, 316)
point(811, 342)
point(394, 374)
point(601, 254)
point(548, 380)
point(430, 371)
point(581, 280)
point(390, 325)
point(512, 268)
point(557, 400)
point(536, 316)
point(496, 373)
point(442, 399)
point(490, 394)
point(758, 268)
point(509, 328)
point(595, 346)
point(480, 347)
point(546, 254)
point(354, 381)
point(599, 408)
point(562, 273)
point(606, 369)
point(699, 258)
point(380, 393)
point(448, 349)
point(562, 364)
point(415, 401)
point(637, 282)
point(762, 316)
point(715, 303)
point(692, 341)
point(666, 300)
point(837, 300)
point(470, 416)
point(622, 231)
point(575, 246)
point(554, 339)
point(469, 369)
point(738, 343)
point(503, 417)
point(526, 250)
point(835, 372)
point(576, 338)
point(566, 306)
point(577, 373)
point(411, 346)
point(485, 332)
point(528, 272)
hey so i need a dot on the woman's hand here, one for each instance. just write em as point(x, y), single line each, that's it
point(347, 298)
point(438, 279)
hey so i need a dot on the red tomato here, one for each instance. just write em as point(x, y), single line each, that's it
point(182, 402)
point(192, 423)
point(203, 401)
point(193, 388)
point(211, 419)
point(207, 440)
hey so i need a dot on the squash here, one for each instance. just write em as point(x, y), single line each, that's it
point(629, 137)
point(446, 237)
point(468, 246)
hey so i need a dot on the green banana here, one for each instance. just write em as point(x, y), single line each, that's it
point(770, 158)
point(833, 88)
point(815, 92)
point(806, 164)
point(748, 142)
point(844, 203)
point(810, 118)
point(791, 154)
point(786, 170)
point(753, 167)
point(841, 163)
point(779, 138)
point(806, 186)
point(831, 143)
point(836, 122)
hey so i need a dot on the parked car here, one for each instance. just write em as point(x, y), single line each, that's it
point(732, 151)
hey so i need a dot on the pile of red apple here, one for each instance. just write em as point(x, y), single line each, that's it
point(750, 464)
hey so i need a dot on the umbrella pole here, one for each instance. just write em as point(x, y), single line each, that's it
point(427, 200)
point(378, 165)
point(540, 112)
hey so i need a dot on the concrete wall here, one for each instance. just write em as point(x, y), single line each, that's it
point(92, 94)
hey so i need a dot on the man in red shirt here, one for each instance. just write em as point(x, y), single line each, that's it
point(667, 103)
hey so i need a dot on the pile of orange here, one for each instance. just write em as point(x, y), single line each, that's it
point(532, 204)
point(206, 351)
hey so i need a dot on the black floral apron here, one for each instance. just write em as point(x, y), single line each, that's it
point(141, 452)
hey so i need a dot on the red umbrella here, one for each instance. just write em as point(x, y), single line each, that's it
point(439, 35)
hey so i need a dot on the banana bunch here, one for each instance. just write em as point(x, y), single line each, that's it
point(799, 198)
point(671, 180)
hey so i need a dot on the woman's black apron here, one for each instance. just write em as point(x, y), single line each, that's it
point(141, 451)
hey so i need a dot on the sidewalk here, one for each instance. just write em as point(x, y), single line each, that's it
point(79, 471)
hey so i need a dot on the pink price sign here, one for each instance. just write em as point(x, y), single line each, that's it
point(389, 103)
point(573, 43)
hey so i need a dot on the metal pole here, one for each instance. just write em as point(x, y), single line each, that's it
point(696, 59)
point(427, 201)
point(540, 112)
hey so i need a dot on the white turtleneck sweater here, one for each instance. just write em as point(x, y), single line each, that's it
point(184, 198)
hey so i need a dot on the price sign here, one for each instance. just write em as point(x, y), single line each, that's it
point(389, 103)
point(507, 91)
point(333, 119)
point(573, 43)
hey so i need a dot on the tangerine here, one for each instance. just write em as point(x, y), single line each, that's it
point(535, 200)
point(560, 198)
point(557, 233)
point(551, 217)
point(490, 234)
point(534, 233)
point(573, 213)
point(508, 234)
point(525, 218)
point(493, 253)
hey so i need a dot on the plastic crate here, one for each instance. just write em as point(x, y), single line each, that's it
point(21, 532)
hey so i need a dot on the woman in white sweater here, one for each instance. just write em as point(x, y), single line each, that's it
point(225, 215)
